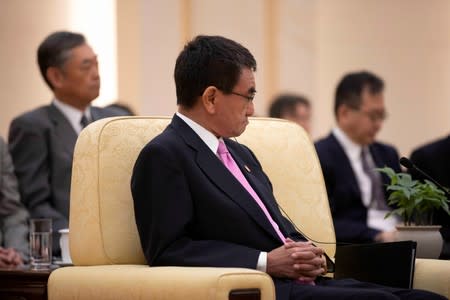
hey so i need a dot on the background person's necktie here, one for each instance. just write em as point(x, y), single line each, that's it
point(377, 199)
point(84, 121)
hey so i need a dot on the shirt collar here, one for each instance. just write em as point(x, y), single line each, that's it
point(352, 149)
point(72, 114)
point(205, 135)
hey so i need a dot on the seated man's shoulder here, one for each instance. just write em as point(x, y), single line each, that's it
point(434, 147)
point(33, 118)
point(384, 147)
point(326, 146)
point(105, 112)
point(165, 140)
point(37, 114)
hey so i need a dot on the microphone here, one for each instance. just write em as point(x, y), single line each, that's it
point(410, 166)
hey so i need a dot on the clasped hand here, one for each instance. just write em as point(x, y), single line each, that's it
point(9, 258)
point(296, 260)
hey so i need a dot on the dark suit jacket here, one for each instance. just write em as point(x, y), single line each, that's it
point(434, 159)
point(41, 144)
point(191, 211)
point(349, 213)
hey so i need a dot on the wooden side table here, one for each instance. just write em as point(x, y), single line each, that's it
point(23, 284)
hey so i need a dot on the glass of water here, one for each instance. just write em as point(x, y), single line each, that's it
point(40, 244)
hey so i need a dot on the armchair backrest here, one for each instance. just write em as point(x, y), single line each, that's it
point(102, 224)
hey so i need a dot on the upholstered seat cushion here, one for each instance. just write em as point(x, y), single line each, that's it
point(143, 282)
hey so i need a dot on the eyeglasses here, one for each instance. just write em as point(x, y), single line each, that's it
point(375, 116)
point(249, 98)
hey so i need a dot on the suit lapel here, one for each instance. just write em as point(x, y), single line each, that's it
point(64, 131)
point(216, 171)
point(264, 194)
point(377, 159)
point(344, 164)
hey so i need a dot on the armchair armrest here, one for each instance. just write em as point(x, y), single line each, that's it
point(143, 282)
point(432, 275)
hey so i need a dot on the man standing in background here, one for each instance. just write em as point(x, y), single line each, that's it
point(349, 156)
point(42, 140)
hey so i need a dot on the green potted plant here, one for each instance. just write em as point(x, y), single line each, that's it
point(415, 202)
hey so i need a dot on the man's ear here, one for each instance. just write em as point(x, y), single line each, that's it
point(209, 99)
point(55, 76)
point(344, 114)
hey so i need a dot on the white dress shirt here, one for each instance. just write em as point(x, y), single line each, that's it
point(72, 114)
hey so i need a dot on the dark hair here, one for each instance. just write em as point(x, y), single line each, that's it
point(55, 50)
point(351, 86)
point(209, 61)
point(285, 104)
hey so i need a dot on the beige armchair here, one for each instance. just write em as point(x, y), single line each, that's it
point(104, 243)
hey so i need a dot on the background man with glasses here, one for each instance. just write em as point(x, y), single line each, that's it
point(348, 156)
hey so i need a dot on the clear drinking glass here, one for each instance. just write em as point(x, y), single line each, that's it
point(40, 244)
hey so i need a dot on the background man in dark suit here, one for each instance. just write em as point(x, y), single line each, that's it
point(202, 199)
point(42, 140)
point(348, 156)
point(13, 215)
point(434, 159)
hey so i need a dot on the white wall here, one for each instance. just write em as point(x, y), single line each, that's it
point(406, 42)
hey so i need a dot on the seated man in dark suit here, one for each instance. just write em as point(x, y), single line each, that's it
point(42, 140)
point(434, 160)
point(13, 215)
point(349, 155)
point(202, 199)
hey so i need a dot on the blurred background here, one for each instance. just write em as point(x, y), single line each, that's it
point(302, 46)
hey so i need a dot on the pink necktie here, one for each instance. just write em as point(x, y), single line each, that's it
point(231, 165)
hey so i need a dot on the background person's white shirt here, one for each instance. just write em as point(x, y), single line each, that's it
point(72, 114)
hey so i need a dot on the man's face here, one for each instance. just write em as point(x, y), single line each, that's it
point(232, 111)
point(363, 124)
point(80, 81)
point(301, 116)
